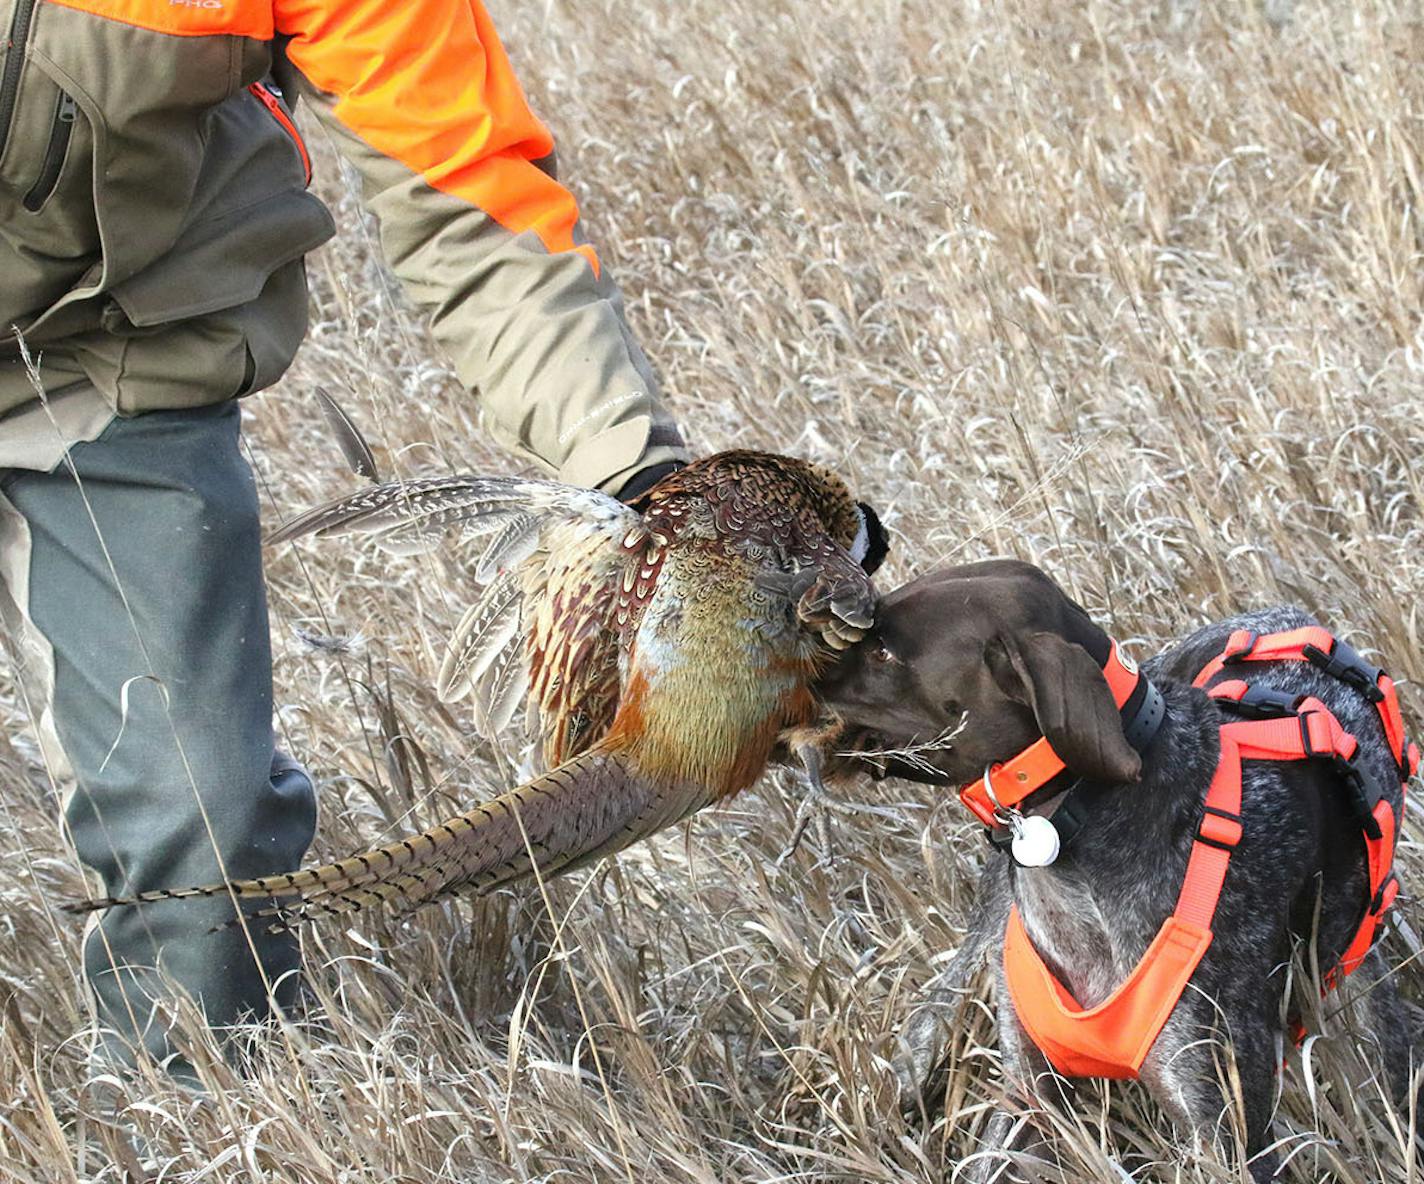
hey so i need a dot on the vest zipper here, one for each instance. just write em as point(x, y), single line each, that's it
point(64, 115)
point(14, 60)
point(264, 96)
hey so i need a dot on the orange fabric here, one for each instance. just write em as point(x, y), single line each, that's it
point(1207, 863)
point(1012, 781)
point(427, 83)
point(1245, 646)
point(185, 18)
point(1037, 765)
point(1113, 1038)
point(1394, 727)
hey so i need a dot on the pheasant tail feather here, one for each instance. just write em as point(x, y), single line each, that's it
point(591, 806)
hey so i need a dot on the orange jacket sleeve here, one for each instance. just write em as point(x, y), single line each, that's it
point(420, 95)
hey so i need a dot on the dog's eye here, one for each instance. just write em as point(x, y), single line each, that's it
point(883, 653)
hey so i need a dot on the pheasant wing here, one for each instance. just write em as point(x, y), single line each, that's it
point(832, 597)
point(554, 558)
point(573, 595)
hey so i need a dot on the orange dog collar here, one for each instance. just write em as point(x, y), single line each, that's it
point(1004, 786)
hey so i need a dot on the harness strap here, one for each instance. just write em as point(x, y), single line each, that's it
point(1377, 817)
point(1321, 735)
point(1337, 658)
point(1218, 832)
point(1113, 1038)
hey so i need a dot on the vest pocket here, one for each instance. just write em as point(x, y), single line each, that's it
point(56, 150)
point(221, 262)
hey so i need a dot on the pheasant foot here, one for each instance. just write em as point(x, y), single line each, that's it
point(815, 809)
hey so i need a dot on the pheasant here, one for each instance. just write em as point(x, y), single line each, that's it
point(661, 657)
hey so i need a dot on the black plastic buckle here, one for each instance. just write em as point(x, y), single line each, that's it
point(1406, 770)
point(1264, 703)
point(1241, 652)
point(1344, 662)
point(1364, 792)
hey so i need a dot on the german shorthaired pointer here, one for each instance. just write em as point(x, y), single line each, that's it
point(1164, 838)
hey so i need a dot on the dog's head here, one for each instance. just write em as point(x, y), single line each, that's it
point(969, 665)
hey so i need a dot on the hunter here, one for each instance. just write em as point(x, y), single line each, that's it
point(154, 218)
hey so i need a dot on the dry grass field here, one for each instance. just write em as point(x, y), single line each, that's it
point(1131, 290)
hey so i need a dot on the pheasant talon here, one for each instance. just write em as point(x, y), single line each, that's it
point(815, 808)
point(823, 832)
point(798, 832)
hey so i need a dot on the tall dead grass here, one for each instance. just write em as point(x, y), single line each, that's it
point(1133, 291)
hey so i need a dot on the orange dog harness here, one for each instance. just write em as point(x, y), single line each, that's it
point(1113, 1038)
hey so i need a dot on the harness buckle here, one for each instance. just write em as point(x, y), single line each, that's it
point(1388, 890)
point(1364, 792)
point(1344, 662)
point(1262, 702)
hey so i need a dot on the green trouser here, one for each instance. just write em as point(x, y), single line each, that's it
point(137, 611)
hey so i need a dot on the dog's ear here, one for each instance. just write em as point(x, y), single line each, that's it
point(1069, 698)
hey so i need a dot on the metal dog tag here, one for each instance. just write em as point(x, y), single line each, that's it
point(1035, 840)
